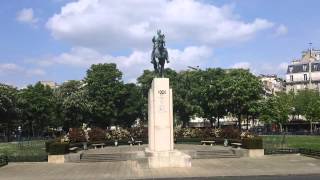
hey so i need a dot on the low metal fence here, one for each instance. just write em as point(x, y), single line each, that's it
point(24, 151)
point(3, 160)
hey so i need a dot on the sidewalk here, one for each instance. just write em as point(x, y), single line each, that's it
point(268, 165)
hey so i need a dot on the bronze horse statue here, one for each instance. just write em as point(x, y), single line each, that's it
point(159, 55)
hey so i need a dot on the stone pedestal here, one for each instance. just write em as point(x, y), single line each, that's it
point(255, 153)
point(173, 158)
point(160, 151)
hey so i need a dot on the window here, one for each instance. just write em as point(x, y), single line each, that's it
point(315, 67)
point(305, 77)
point(291, 77)
point(290, 69)
point(304, 67)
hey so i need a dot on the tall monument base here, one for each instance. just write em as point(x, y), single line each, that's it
point(173, 158)
point(160, 151)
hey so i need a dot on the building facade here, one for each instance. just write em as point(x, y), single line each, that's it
point(51, 84)
point(272, 84)
point(304, 73)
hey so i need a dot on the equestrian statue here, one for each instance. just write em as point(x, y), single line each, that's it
point(159, 54)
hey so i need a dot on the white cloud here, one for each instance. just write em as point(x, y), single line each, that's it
point(271, 68)
point(130, 24)
point(263, 68)
point(132, 65)
point(241, 65)
point(9, 69)
point(26, 16)
point(281, 30)
point(35, 72)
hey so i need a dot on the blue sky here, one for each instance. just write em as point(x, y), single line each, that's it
point(58, 40)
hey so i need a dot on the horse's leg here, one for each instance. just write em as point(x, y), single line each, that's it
point(155, 66)
point(161, 68)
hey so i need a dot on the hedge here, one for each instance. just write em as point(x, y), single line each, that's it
point(252, 143)
point(47, 144)
point(3, 160)
point(58, 148)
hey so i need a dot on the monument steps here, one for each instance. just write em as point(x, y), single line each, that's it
point(214, 154)
point(103, 157)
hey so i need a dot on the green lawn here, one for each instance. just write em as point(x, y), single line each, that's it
point(24, 151)
point(277, 141)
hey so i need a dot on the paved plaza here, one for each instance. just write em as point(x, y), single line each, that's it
point(267, 165)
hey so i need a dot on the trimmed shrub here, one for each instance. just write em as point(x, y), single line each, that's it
point(252, 143)
point(139, 132)
point(118, 134)
point(188, 140)
point(204, 133)
point(58, 148)
point(47, 144)
point(97, 134)
point(77, 135)
point(230, 133)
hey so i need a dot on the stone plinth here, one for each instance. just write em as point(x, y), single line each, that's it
point(160, 151)
point(57, 159)
point(173, 158)
point(255, 153)
point(160, 116)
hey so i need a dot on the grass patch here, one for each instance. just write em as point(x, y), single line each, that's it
point(24, 151)
point(290, 141)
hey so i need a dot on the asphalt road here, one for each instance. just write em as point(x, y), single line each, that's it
point(289, 177)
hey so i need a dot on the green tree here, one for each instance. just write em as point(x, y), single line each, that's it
point(9, 111)
point(144, 83)
point(130, 106)
point(254, 110)
point(185, 99)
point(69, 87)
point(37, 105)
point(240, 88)
point(307, 103)
point(211, 99)
point(276, 109)
point(105, 87)
point(76, 109)
point(70, 104)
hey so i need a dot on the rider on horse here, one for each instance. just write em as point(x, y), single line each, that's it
point(159, 53)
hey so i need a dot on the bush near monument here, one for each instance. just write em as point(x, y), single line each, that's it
point(252, 143)
point(139, 132)
point(97, 134)
point(59, 148)
point(48, 143)
point(77, 135)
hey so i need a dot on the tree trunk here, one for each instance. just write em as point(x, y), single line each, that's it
point(218, 122)
point(253, 121)
point(8, 133)
point(239, 122)
point(211, 122)
point(184, 124)
point(247, 122)
point(32, 129)
point(280, 127)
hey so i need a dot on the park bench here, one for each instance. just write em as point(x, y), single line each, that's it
point(96, 145)
point(236, 145)
point(208, 142)
point(133, 142)
point(73, 149)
